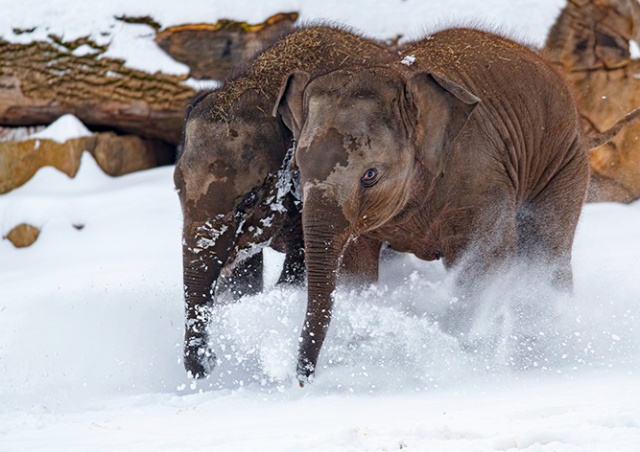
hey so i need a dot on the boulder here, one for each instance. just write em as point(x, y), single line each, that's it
point(23, 235)
point(123, 154)
point(116, 155)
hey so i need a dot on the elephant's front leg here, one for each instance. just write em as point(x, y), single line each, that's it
point(293, 268)
point(248, 276)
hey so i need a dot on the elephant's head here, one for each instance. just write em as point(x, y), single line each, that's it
point(366, 140)
point(231, 191)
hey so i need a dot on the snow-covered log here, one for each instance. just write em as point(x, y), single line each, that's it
point(41, 81)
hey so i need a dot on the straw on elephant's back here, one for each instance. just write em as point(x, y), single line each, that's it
point(308, 49)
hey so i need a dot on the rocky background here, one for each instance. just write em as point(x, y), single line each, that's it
point(135, 117)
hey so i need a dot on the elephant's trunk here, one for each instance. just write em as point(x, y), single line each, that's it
point(204, 256)
point(326, 233)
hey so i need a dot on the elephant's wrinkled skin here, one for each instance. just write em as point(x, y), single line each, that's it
point(467, 148)
point(234, 181)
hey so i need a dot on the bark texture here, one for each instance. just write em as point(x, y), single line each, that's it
point(590, 41)
point(212, 50)
point(42, 81)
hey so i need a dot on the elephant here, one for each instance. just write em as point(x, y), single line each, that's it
point(467, 147)
point(236, 187)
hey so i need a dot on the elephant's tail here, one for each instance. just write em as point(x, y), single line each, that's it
point(598, 139)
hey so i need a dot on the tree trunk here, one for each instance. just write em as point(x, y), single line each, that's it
point(590, 42)
point(115, 154)
point(41, 81)
point(226, 44)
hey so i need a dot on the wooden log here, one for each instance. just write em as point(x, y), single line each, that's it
point(212, 50)
point(42, 81)
point(590, 42)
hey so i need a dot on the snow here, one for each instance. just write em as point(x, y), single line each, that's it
point(62, 129)
point(91, 315)
point(18, 133)
point(408, 60)
point(634, 49)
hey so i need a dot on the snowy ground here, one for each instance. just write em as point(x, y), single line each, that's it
point(91, 318)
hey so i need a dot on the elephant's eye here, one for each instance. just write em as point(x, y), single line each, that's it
point(370, 177)
point(248, 201)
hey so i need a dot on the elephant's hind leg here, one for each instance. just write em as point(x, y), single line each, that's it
point(547, 223)
point(360, 262)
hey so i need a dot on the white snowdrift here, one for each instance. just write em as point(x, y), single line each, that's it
point(91, 315)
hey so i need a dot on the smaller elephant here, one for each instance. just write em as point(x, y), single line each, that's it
point(235, 183)
point(466, 148)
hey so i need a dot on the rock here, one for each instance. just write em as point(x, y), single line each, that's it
point(23, 235)
point(20, 160)
point(116, 155)
point(590, 42)
point(212, 50)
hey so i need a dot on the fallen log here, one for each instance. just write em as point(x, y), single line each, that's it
point(41, 81)
point(226, 43)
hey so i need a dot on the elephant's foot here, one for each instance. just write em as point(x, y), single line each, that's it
point(199, 362)
point(305, 372)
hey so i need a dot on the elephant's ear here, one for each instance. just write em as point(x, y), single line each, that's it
point(440, 110)
point(289, 102)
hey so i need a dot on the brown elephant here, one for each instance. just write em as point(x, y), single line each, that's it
point(234, 182)
point(466, 148)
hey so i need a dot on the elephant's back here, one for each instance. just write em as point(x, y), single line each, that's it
point(492, 67)
point(527, 109)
